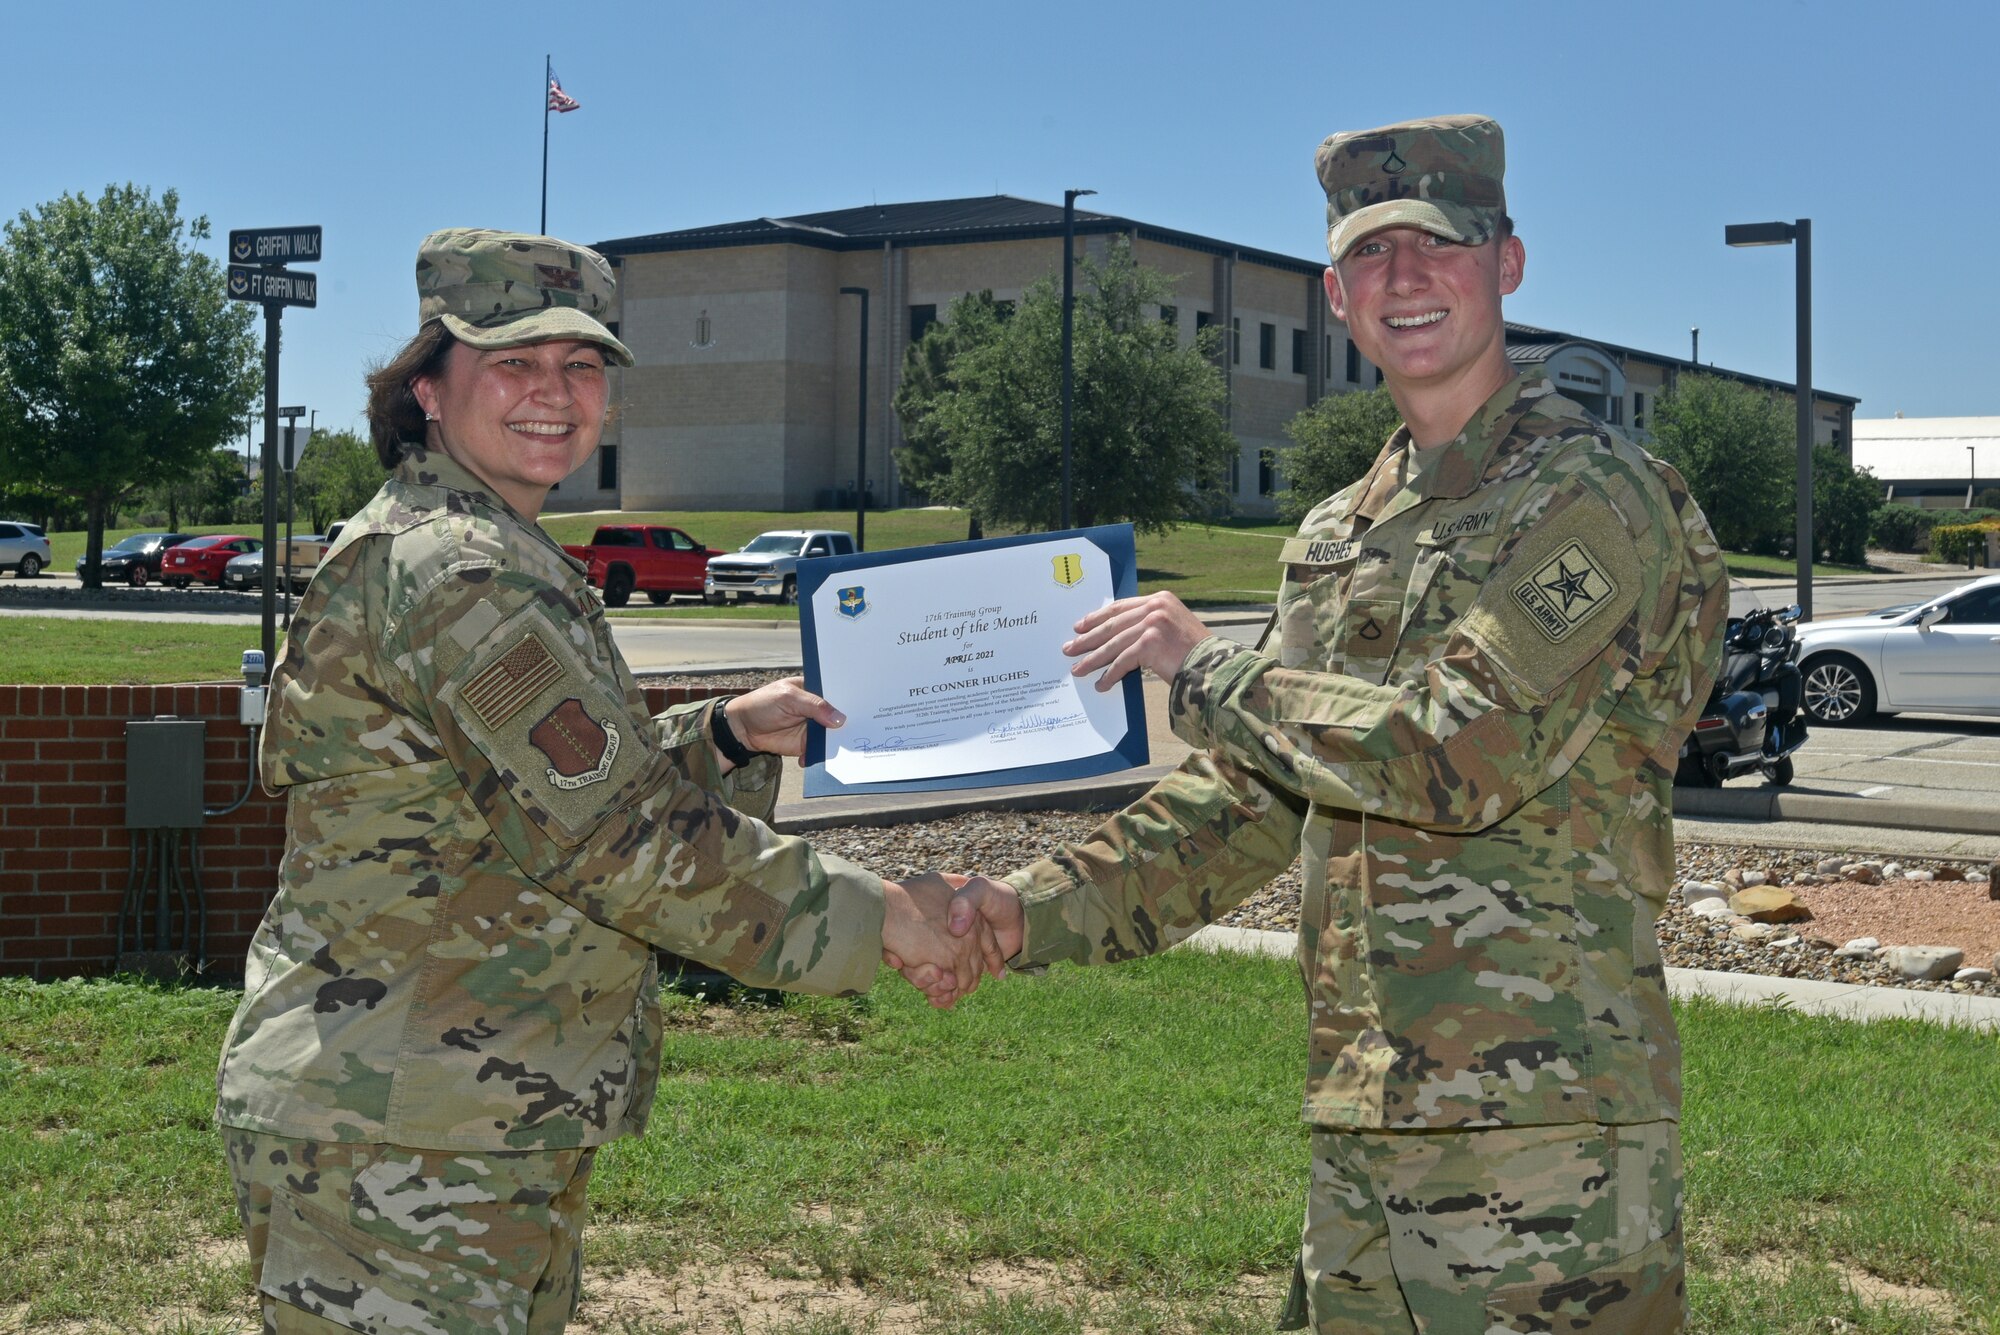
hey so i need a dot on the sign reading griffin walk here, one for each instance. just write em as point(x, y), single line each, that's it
point(285, 287)
point(274, 245)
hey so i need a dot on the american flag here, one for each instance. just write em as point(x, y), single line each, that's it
point(558, 99)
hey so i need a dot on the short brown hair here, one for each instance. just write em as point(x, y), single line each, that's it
point(395, 418)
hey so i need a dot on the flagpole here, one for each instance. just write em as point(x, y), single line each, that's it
point(548, 72)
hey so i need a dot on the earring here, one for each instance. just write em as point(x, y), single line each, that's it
point(429, 418)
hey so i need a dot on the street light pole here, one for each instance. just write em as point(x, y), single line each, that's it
point(1971, 473)
point(1799, 236)
point(861, 430)
point(1068, 353)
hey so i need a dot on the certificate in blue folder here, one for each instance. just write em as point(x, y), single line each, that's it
point(948, 663)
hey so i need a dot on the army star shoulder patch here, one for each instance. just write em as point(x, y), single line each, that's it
point(1565, 590)
point(580, 749)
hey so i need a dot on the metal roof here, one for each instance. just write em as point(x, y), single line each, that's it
point(935, 222)
point(1927, 449)
point(1526, 343)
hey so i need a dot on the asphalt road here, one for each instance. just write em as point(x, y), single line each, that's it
point(1930, 760)
point(1844, 599)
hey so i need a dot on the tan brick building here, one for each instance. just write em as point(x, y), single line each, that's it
point(745, 391)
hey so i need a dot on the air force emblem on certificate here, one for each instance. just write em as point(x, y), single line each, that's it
point(853, 602)
point(1069, 569)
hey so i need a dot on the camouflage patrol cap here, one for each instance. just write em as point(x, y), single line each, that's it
point(503, 289)
point(1442, 175)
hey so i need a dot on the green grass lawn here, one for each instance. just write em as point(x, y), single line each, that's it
point(95, 650)
point(1121, 1146)
point(1756, 567)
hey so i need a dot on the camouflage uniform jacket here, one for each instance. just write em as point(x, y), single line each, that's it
point(1484, 674)
point(486, 838)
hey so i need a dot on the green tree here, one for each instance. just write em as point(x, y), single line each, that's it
point(1735, 445)
point(1148, 443)
point(121, 361)
point(923, 461)
point(1845, 499)
point(338, 472)
point(204, 492)
point(1337, 440)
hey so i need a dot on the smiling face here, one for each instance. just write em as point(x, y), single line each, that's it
point(519, 419)
point(1427, 311)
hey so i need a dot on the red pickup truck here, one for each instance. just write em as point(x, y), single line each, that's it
point(654, 560)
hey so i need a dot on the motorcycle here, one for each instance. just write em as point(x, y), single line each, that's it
point(1752, 720)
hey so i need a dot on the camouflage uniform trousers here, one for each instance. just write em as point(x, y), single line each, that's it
point(1509, 1229)
point(395, 1241)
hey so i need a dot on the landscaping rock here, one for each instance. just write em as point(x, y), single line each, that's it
point(1711, 908)
point(1919, 876)
point(1891, 870)
point(1751, 878)
point(1752, 931)
point(1860, 948)
point(1925, 962)
point(1950, 873)
point(1693, 892)
point(1832, 866)
point(1973, 976)
point(1863, 873)
point(1768, 903)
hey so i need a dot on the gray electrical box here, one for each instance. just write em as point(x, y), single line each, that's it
point(163, 762)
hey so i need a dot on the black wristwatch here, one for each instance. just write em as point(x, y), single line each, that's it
point(726, 740)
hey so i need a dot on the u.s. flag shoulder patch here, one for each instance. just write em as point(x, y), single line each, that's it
point(518, 676)
point(1563, 592)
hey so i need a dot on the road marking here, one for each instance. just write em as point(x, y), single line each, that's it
point(1928, 760)
point(1878, 788)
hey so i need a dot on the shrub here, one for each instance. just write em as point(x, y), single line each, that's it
point(1962, 542)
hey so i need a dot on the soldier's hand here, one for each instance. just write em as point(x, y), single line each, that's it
point(773, 717)
point(918, 943)
point(1156, 631)
point(993, 906)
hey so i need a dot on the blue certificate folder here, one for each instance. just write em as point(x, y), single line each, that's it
point(1114, 540)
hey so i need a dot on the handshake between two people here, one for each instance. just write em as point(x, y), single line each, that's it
point(942, 932)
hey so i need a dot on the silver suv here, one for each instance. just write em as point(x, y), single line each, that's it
point(767, 565)
point(23, 549)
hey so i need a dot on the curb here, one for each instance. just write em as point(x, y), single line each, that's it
point(1776, 804)
point(1848, 1001)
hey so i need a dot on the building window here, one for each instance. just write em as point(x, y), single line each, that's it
point(1235, 340)
point(1638, 411)
point(1267, 347)
point(1326, 362)
point(607, 468)
point(1267, 472)
point(1004, 309)
point(1353, 363)
point(1170, 315)
point(921, 318)
point(1617, 408)
point(1298, 352)
point(1236, 474)
point(612, 325)
point(704, 335)
point(1378, 377)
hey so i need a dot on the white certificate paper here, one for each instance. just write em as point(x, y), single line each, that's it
point(948, 664)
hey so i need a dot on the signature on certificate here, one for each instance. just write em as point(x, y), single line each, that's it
point(893, 742)
point(1028, 723)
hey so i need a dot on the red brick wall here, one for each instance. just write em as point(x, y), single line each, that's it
point(65, 853)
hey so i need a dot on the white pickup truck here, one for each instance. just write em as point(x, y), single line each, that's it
point(767, 565)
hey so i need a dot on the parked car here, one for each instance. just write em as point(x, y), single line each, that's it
point(1937, 657)
point(247, 572)
point(135, 559)
point(767, 565)
point(23, 549)
point(202, 560)
point(653, 559)
point(308, 550)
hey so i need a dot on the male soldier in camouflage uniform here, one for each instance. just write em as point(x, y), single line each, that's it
point(1489, 649)
point(452, 1000)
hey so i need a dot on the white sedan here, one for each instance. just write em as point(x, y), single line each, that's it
point(1939, 657)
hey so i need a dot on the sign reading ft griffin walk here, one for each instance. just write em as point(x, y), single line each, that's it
point(286, 287)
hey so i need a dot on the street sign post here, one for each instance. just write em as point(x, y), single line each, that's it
point(257, 256)
point(274, 286)
point(274, 245)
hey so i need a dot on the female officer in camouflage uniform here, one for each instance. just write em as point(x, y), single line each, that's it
point(451, 1001)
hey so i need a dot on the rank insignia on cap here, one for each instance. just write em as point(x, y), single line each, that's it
point(853, 602)
point(1564, 590)
point(1069, 569)
point(580, 749)
point(1394, 162)
point(551, 275)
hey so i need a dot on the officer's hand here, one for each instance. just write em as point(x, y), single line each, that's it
point(994, 906)
point(1156, 632)
point(773, 717)
point(917, 941)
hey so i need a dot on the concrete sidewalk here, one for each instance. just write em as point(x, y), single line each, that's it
point(1848, 1001)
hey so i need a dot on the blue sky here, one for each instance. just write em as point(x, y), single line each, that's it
point(1634, 134)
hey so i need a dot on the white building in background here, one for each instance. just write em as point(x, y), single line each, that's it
point(1939, 463)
